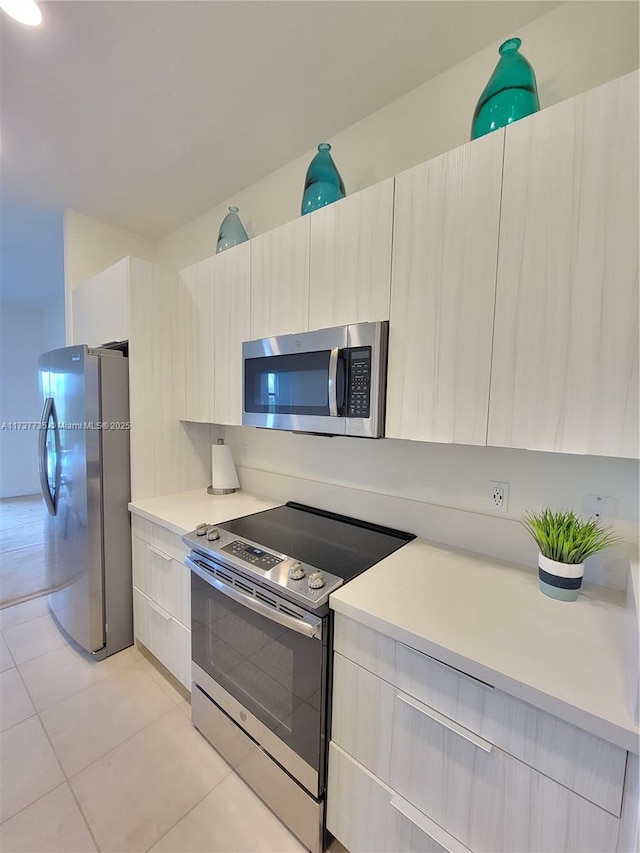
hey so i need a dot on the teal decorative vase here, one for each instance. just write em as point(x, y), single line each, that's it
point(231, 231)
point(323, 184)
point(510, 94)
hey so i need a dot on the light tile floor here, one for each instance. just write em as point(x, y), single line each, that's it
point(103, 756)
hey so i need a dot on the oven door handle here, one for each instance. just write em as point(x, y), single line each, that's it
point(310, 626)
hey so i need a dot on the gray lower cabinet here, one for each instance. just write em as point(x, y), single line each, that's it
point(440, 763)
point(365, 814)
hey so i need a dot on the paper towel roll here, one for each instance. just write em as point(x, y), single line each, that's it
point(223, 472)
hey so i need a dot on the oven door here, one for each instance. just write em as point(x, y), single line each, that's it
point(264, 661)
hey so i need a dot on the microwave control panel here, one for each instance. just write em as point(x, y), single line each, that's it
point(359, 388)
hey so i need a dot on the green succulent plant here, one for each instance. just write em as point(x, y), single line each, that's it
point(565, 537)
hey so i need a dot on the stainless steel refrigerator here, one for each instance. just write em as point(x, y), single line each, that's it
point(85, 478)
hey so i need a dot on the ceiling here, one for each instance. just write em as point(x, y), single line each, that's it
point(145, 114)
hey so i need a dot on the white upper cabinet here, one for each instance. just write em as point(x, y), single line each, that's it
point(350, 259)
point(231, 326)
point(101, 307)
point(196, 329)
point(445, 243)
point(165, 457)
point(214, 323)
point(565, 355)
point(280, 280)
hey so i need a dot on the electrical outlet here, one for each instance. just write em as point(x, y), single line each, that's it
point(244, 452)
point(602, 507)
point(499, 495)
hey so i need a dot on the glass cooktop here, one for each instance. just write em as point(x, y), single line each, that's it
point(334, 543)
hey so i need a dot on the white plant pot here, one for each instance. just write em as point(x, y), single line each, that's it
point(560, 580)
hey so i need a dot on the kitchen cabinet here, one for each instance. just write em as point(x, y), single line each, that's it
point(280, 281)
point(565, 355)
point(101, 307)
point(138, 301)
point(215, 320)
point(452, 761)
point(445, 244)
point(166, 457)
point(196, 329)
point(350, 258)
point(161, 597)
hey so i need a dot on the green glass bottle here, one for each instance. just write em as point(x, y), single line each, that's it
point(510, 94)
point(323, 184)
point(232, 231)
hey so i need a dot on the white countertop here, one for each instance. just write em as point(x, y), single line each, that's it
point(481, 615)
point(181, 513)
point(488, 618)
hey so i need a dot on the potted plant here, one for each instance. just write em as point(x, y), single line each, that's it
point(565, 540)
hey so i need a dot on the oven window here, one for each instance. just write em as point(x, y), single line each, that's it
point(274, 672)
point(290, 384)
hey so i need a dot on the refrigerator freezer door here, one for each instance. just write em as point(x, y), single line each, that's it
point(74, 535)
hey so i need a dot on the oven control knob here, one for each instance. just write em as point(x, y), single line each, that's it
point(201, 529)
point(296, 572)
point(212, 535)
point(316, 580)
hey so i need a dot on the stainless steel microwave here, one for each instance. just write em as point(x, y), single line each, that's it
point(330, 381)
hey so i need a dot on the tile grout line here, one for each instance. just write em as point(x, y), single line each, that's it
point(188, 812)
point(76, 692)
point(118, 745)
point(62, 770)
point(4, 640)
point(20, 625)
point(68, 778)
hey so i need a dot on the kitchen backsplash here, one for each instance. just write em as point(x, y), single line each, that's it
point(440, 492)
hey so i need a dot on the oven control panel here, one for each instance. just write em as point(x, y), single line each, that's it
point(301, 582)
point(250, 554)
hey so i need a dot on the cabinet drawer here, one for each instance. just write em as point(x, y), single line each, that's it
point(163, 635)
point(586, 764)
point(477, 793)
point(161, 538)
point(366, 816)
point(163, 579)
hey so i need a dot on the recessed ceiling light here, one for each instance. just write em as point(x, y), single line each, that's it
point(25, 11)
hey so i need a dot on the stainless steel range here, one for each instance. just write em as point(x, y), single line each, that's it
point(262, 641)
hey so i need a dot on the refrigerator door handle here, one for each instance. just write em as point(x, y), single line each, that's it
point(47, 413)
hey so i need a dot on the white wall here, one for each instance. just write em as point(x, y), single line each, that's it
point(26, 331)
point(32, 309)
point(20, 345)
point(573, 48)
point(445, 475)
point(90, 246)
point(53, 324)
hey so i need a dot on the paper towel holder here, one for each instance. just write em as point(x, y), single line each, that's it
point(224, 479)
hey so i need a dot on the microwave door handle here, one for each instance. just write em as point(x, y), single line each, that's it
point(333, 382)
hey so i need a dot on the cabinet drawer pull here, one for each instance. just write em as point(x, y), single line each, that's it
point(428, 826)
point(475, 739)
point(159, 552)
point(448, 666)
point(159, 610)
